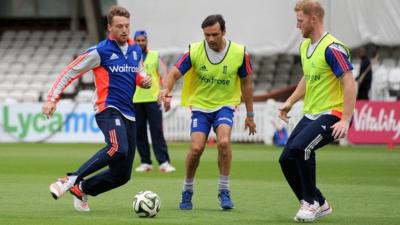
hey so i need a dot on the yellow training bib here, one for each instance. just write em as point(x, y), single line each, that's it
point(210, 86)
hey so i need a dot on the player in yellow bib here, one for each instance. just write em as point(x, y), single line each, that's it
point(148, 111)
point(217, 73)
point(329, 92)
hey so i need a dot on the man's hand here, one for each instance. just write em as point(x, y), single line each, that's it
point(167, 106)
point(48, 109)
point(340, 129)
point(283, 111)
point(165, 96)
point(249, 124)
point(146, 82)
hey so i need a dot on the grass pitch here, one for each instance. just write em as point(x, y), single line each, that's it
point(361, 183)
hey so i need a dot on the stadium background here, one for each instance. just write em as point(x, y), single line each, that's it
point(39, 37)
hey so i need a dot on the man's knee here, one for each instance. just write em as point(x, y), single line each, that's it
point(285, 156)
point(196, 151)
point(296, 149)
point(223, 143)
point(290, 152)
point(122, 178)
point(125, 178)
point(223, 148)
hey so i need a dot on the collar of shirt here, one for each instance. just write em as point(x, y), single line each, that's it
point(217, 57)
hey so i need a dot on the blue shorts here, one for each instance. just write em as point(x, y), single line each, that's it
point(202, 122)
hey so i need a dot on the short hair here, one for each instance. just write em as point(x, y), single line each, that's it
point(310, 7)
point(213, 19)
point(116, 10)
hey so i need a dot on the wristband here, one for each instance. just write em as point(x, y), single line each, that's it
point(250, 114)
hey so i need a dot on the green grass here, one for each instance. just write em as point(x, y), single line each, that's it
point(362, 184)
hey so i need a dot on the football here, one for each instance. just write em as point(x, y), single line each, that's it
point(146, 204)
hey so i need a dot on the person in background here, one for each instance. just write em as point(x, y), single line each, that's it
point(148, 111)
point(364, 78)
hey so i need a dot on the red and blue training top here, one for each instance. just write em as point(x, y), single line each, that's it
point(117, 70)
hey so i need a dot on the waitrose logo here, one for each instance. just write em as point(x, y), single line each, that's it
point(22, 124)
point(123, 69)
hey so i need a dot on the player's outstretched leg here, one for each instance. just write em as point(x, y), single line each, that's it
point(62, 185)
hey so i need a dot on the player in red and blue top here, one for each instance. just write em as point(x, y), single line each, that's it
point(117, 66)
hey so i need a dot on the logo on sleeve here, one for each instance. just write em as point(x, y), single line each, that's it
point(117, 122)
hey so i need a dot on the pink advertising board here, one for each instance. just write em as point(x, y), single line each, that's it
point(375, 123)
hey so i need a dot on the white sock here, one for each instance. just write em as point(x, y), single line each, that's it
point(223, 182)
point(188, 184)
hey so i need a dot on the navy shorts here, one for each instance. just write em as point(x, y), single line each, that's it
point(202, 122)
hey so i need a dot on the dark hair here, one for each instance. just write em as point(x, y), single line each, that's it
point(116, 10)
point(213, 19)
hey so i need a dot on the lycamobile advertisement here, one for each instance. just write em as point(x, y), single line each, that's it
point(70, 123)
